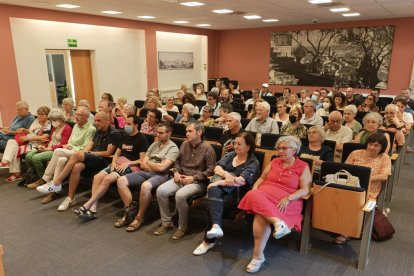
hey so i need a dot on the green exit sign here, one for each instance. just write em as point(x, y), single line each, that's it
point(72, 43)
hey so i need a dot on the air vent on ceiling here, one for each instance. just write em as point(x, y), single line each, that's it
point(172, 1)
point(237, 13)
point(332, 4)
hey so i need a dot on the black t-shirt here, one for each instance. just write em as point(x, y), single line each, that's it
point(102, 139)
point(324, 154)
point(131, 146)
point(227, 140)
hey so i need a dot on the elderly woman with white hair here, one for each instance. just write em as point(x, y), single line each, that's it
point(350, 112)
point(187, 114)
point(372, 122)
point(233, 129)
point(67, 105)
point(394, 124)
point(276, 197)
point(38, 157)
point(315, 150)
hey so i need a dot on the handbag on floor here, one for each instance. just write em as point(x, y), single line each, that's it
point(382, 229)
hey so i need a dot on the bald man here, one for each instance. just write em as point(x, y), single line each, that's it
point(335, 131)
point(93, 158)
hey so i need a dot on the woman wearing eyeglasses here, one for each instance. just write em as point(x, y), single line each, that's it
point(370, 104)
point(372, 122)
point(281, 114)
point(276, 197)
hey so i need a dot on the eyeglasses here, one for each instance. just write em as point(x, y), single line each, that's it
point(280, 106)
point(282, 148)
point(374, 145)
point(151, 116)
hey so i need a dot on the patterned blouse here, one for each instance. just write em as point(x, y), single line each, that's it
point(300, 131)
point(147, 129)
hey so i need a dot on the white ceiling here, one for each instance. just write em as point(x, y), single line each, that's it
point(289, 12)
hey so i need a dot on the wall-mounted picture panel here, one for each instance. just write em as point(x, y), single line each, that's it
point(175, 60)
point(357, 57)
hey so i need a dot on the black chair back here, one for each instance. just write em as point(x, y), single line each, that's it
point(213, 133)
point(139, 103)
point(242, 112)
point(237, 96)
point(392, 138)
point(364, 173)
point(143, 112)
point(177, 141)
point(260, 157)
point(269, 140)
point(150, 138)
point(244, 122)
point(218, 149)
point(174, 114)
point(350, 147)
point(330, 143)
point(178, 130)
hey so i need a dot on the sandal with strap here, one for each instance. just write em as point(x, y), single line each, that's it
point(13, 177)
point(135, 226)
point(88, 215)
point(80, 210)
point(120, 223)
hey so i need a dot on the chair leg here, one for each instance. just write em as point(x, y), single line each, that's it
point(365, 247)
point(304, 242)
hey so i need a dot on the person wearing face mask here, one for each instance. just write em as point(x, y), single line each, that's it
point(328, 105)
point(294, 127)
point(38, 157)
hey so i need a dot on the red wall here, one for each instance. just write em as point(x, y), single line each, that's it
point(9, 84)
point(244, 55)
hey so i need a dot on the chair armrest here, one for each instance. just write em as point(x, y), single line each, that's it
point(369, 205)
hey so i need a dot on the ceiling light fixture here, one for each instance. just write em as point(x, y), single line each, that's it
point(319, 1)
point(203, 25)
point(146, 16)
point(192, 4)
point(254, 16)
point(181, 22)
point(111, 12)
point(222, 11)
point(339, 9)
point(67, 6)
point(351, 14)
point(270, 20)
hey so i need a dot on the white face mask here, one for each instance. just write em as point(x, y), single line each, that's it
point(314, 98)
point(326, 105)
point(55, 124)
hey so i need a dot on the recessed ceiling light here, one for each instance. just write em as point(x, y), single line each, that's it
point(181, 22)
point(223, 11)
point(252, 16)
point(203, 25)
point(146, 16)
point(351, 14)
point(111, 12)
point(192, 4)
point(67, 6)
point(339, 9)
point(270, 20)
point(319, 1)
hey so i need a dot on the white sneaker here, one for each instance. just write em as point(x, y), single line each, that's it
point(281, 230)
point(66, 204)
point(202, 248)
point(255, 265)
point(49, 187)
point(214, 233)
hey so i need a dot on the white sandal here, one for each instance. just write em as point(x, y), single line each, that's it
point(255, 265)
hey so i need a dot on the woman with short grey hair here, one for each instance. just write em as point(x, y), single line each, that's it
point(350, 112)
point(372, 122)
point(67, 105)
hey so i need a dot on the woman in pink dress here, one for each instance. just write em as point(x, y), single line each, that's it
point(276, 197)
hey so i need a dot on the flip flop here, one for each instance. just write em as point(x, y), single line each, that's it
point(13, 178)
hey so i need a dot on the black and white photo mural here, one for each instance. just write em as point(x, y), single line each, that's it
point(356, 57)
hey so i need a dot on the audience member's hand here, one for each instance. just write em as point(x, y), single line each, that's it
point(187, 179)
point(283, 204)
point(177, 177)
point(122, 167)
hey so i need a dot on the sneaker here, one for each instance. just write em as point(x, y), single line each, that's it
point(36, 184)
point(281, 230)
point(66, 204)
point(178, 234)
point(48, 198)
point(49, 187)
point(214, 233)
point(202, 248)
point(255, 265)
point(163, 229)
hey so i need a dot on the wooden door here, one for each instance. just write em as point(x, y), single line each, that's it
point(82, 76)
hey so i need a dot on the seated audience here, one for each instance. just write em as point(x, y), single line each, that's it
point(350, 112)
point(206, 118)
point(129, 154)
point(194, 165)
point(315, 150)
point(233, 89)
point(169, 105)
point(406, 117)
point(149, 126)
point(37, 135)
point(237, 168)
point(294, 127)
point(155, 167)
point(335, 131)
point(303, 95)
point(309, 116)
point(252, 113)
point(369, 105)
point(340, 101)
point(107, 97)
point(234, 128)
point(352, 98)
point(394, 124)
point(226, 97)
point(262, 123)
point(406, 93)
point(224, 110)
point(68, 107)
point(253, 99)
point(285, 95)
point(85, 103)
point(372, 122)
point(376, 158)
point(95, 156)
point(216, 88)
point(180, 95)
point(189, 98)
point(20, 123)
point(199, 93)
point(212, 100)
point(154, 102)
point(328, 105)
point(38, 157)
point(281, 114)
point(265, 90)
point(294, 101)
point(282, 184)
point(187, 114)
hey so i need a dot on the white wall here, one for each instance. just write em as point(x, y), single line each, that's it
point(174, 42)
point(118, 57)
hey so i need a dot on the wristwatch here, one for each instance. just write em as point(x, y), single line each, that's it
point(288, 198)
